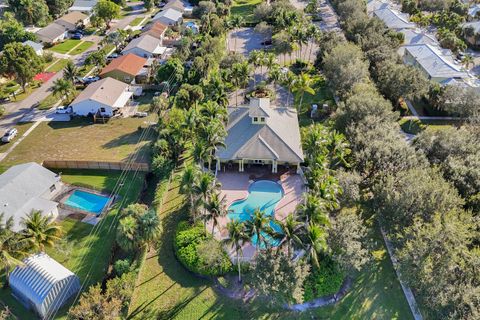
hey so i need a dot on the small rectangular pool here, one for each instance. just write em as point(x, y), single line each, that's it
point(87, 201)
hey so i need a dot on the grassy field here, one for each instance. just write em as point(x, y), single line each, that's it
point(80, 139)
point(21, 127)
point(245, 9)
point(136, 22)
point(57, 65)
point(67, 46)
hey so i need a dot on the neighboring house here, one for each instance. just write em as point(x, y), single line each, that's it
point(374, 5)
point(129, 68)
point(261, 134)
point(169, 17)
point(433, 63)
point(72, 20)
point(474, 12)
point(178, 5)
point(156, 30)
point(145, 46)
point(27, 187)
point(393, 19)
point(52, 33)
point(37, 47)
point(471, 33)
point(43, 285)
point(104, 97)
point(84, 6)
point(416, 37)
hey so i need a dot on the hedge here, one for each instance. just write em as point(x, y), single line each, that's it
point(323, 281)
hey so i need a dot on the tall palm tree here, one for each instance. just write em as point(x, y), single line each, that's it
point(289, 80)
point(62, 87)
point(40, 231)
point(203, 188)
point(275, 75)
point(70, 72)
point(187, 181)
point(236, 238)
point(216, 207)
point(240, 76)
point(339, 149)
point(126, 233)
point(255, 58)
point(201, 152)
point(258, 226)
point(313, 209)
point(148, 228)
point(12, 247)
point(271, 61)
point(316, 242)
point(213, 134)
point(303, 84)
point(291, 229)
point(235, 22)
point(212, 110)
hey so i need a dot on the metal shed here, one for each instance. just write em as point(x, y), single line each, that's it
point(42, 284)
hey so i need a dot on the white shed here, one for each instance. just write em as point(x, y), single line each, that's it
point(42, 284)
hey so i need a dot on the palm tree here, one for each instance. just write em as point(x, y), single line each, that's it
point(291, 229)
point(313, 209)
point(213, 134)
point(126, 233)
point(203, 188)
point(148, 228)
point(40, 231)
point(236, 238)
point(316, 242)
point(240, 76)
point(187, 181)
point(275, 75)
point(303, 84)
point(257, 226)
point(212, 110)
point(70, 72)
point(255, 58)
point(201, 152)
point(235, 22)
point(271, 61)
point(289, 80)
point(216, 208)
point(340, 148)
point(62, 87)
point(11, 247)
point(467, 60)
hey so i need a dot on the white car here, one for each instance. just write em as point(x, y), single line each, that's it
point(63, 110)
point(139, 114)
point(9, 135)
point(90, 79)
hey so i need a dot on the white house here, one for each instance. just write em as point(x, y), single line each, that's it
point(26, 187)
point(84, 6)
point(52, 33)
point(43, 285)
point(169, 17)
point(37, 47)
point(394, 19)
point(145, 46)
point(104, 97)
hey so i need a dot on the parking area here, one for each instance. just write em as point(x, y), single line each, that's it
point(45, 115)
point(244, 40)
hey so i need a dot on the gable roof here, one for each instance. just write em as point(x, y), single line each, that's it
point(83, 5)
point(106, 91)
point(72, 17)
point(21, 188)
point(130, 64)
point(175, 4)
point(52, 31)
point(374, 5)
point(155, 29)
point(278, 138)
point(418, 37)
point(434, 63)
point(35, 45)
point(145, 42)
point(171, 14)
point(393, 19)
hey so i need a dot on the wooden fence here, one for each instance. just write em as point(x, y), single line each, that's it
point(99, 165)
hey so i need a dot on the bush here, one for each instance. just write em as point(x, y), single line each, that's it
point(323, 281)
point(198, 252)
point(121, 266)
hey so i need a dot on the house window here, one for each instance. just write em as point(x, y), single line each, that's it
point(262, 119)
point(258, 161)
point(102, 109)
point(255, 119)
point(53, 188)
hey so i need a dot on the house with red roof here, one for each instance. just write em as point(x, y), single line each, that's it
point(129, 68)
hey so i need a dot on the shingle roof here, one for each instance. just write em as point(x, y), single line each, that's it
point(83, 5)
point(130, 64)
point(393, 19)
point(417, 37)
point(175, 4)
point(278, 138)
point(171, 14)
point(145, 42)
point(72, 17)
point(155, 29)
point(434, 63)
point(21, 188)
point(105, 91)
point(35, 45)
point(52, 31)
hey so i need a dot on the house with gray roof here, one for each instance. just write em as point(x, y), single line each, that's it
point(261, 134)
point(52, 33)
point(374, 5)
point(43, 285)
point(26, 187)
point(145, 46)
point(394, 19)
point(37, 47)
point(435, 65)
point(84, 6)
point(169, 17)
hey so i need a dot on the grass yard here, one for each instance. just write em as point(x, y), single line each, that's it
point(57, 66)
point(417, 126)
point(145, 100)
point(48, 102)
point(136, 22)
point(165, 290)
point(80, 139)
point(245, 9)
point(67, 46)
point(21, 127)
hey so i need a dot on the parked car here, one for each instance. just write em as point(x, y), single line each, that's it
point(90, 79)
point(113, 56)
point(77, 36)
point(63, 110)
point(266, 43)
point(9, 135)
point(139, 114)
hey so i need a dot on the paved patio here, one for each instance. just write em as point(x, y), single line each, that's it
point(235, 187)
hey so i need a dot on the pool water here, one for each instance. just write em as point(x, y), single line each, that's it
point(87, 201)
point(264, 195)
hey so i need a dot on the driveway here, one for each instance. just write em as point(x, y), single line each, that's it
point(44, 115)
point(244, 40)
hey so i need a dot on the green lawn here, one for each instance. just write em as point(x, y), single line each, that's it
point(245, 9)
point(80, 139)
point(417, 126)
point(48, 102)
point(21, 127)
point(136, 22)
point(66, 46)
point(57, 66)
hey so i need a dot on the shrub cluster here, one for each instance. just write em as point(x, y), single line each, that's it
point(323, 281)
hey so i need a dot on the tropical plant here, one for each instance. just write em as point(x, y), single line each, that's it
point(467, 60)
point(40, 231)
point(70, 72)
point(289, 80)
point(256, 58)
point(291, 230)
point(126, 232)
point(240, 76)
point(258, 227)
point(12, 247)
point(313, 209)
point(148, 228)
point(316, 242)
point(187, 181)
point(203, 188)
point(213, 134)
point(302, 85)
point(62, 88)
point(235, 22)
point(216, 207)
point(236, 239)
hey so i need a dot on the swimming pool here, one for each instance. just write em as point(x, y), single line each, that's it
point(262, 194)
point(87, 201)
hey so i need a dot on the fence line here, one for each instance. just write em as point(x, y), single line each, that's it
point(98, 165)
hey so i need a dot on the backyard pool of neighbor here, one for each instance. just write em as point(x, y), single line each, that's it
point(87, 201)
point(264, 195)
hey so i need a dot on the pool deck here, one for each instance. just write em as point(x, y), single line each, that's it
point(235, 187)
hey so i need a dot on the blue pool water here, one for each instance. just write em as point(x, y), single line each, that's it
point(263, 194)
point(87, 201)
